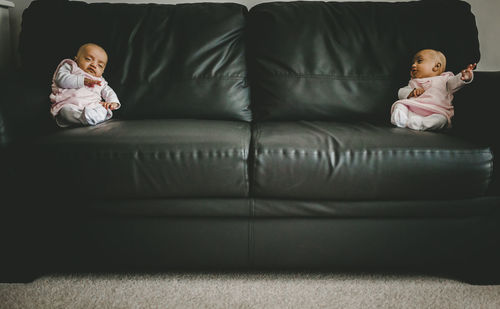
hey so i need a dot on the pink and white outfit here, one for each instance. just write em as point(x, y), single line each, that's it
point(432, 110)
point(73, 103)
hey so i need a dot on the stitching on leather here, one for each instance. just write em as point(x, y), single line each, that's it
point(244, 153)
point(256, 153)
point(251, 243)
point(376, 151)
point(332, 76)
point(199, 77)
point(490, 177)
point(157, 154)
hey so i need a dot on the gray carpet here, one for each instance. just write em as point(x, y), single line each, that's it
point(247, 290)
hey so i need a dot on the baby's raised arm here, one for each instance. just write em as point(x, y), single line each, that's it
point(65, 79)
point(461, 79)
point(467, 72)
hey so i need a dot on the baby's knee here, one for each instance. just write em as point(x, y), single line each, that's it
point(434, 122)
point(94, 115)
point(399, 116)
point(69, 112)
point(68, 115)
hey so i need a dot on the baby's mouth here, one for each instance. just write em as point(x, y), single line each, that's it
point(92, 71)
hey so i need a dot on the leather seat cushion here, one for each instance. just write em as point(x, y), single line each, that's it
point(360, 161)
point(145, 159)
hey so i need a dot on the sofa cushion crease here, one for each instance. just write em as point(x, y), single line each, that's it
point(258, 208)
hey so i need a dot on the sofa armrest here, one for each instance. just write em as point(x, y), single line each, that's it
point(477, 110)
point(24, 108)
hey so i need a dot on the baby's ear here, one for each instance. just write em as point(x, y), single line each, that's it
point(437, 67)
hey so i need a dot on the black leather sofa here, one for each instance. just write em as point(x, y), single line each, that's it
point(249, 140)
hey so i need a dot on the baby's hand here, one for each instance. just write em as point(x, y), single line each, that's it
point(416, 92)
point(467, 73)
point(109, 105)
point(91, 82)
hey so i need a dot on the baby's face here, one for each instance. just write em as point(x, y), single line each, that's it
point(92, 60)
point(424, 65)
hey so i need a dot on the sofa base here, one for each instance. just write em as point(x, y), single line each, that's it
point(462, 247)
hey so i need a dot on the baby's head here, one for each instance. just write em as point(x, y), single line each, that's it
point(428, 63)
point(92, 59)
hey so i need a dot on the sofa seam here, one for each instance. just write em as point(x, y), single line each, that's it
point(330, 76)
point(491, 174)
point(201, 77)
point(382, 151)
point(255, 154)
point(246, 150)
point(228, 77)
point(251, 241)
point(150, 154)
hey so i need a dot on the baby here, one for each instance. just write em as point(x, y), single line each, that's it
point(425, 104)
point(80, 95)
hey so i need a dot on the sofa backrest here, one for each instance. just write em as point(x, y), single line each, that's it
point(347, 60)
point(165, 61)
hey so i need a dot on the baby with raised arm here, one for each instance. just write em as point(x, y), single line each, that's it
point(80, 95)
point(425, 104)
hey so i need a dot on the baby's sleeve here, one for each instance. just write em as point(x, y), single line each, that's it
point(65, 79)
point(404, 92)
point(455, 83)
point(109, 95)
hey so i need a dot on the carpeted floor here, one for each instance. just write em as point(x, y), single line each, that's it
point(247, 290)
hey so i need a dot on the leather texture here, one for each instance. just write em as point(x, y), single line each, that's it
point(361, 161)
point(143, 159)
point(434, 245)
point(347, 60)
point(165, 61)
point(422, 244)
point(276, 208)
point(144, 243)
point(184, 177)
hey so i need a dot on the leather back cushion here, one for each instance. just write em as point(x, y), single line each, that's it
point(165, 61)
point(346, 60)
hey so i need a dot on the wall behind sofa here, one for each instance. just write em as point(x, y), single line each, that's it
point(486, 12)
